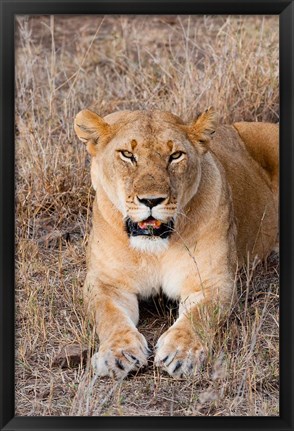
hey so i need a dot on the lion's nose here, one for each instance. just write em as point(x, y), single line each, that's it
point(151, 202)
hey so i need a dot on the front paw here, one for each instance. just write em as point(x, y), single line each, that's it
point(179, 352)
point(125, 352)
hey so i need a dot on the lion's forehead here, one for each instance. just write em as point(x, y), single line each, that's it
point(155, 116)
point(150, 135)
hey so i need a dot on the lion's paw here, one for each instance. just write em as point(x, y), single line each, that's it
point(125, 352)
point(179, 352)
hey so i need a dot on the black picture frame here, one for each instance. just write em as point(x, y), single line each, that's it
point(8, 9)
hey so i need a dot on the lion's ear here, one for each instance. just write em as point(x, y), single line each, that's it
point(89, 127)
point(203, 127)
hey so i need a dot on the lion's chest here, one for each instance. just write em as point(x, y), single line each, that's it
point(148, 279)
point(156, 275)
point(168, 281)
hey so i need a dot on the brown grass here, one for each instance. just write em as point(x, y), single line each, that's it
point(181, 64)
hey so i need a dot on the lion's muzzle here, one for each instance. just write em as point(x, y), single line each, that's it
point(149, 227)
point(154, 224)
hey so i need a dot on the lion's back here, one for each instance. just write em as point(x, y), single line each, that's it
point(253, 189)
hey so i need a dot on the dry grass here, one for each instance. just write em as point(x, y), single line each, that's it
point(181, 64)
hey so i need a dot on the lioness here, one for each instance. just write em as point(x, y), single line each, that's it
point(178, 207)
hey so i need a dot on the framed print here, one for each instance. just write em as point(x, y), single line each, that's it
point(146, 215)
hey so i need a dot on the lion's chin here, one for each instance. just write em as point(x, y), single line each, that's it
point(149, 244)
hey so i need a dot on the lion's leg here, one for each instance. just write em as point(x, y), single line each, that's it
point(115, 313)
point(182, 348)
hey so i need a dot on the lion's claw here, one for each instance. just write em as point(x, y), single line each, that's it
point(179, 354)
point(117, 361)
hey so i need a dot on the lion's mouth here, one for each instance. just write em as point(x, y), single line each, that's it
point(149, 227)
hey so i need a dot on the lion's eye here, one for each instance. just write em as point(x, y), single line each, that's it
point(127, 155)
point(176, 156)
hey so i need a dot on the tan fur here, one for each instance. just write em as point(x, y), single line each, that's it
point(222, 194)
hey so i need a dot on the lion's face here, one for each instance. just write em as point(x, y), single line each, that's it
point(149, 165)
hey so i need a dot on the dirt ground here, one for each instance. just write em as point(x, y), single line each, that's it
point(178, 63)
